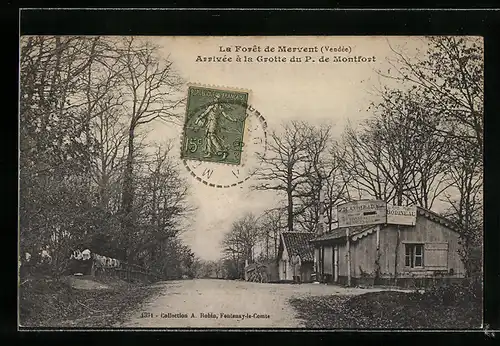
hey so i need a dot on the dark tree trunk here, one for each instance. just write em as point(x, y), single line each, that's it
point(267, 246)
point(276, 243)
point(290, 211)
point(128, 197)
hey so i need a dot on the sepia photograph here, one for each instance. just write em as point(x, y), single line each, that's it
point(258, 182)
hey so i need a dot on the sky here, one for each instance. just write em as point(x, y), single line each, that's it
point(319, 92)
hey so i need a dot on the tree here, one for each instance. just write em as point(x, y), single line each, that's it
point(232, 268)
point(239, 243)
point(217, 269)
point(447, 82)
point(397, 155)
point(363, 164)
point(325, 177)
point(107, 130)
point(284, 167)
point(84, 157)
point(270, 225)
point(54, 148)
point(176, 259)
point(212, 269)
point(465, 201)
point(151, 87)
point(335, 189)
point(161, 203)
point(449, 77)
point(200, 268)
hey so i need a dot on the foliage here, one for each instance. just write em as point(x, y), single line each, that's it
point(239, 243)
point(449, 79)
point(217, 269)
point(55, 303)
point(234, 268)
point(300, 163)
point(447, 84)
point(424, 141)
point(468, 291)
point(88, 175)
point(284, 168)
point(422, 145)
point(387, 310)
point(396, 155)
point(174, 261)
point(270, 224)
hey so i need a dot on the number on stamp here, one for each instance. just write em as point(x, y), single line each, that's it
point(193, 144)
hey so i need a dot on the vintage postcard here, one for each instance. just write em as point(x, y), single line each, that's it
point(328, 182)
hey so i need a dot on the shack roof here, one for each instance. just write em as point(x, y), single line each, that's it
point(340, 233)
point(361, 231)
point(298, 242)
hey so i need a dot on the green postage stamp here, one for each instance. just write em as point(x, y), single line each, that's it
point(214, 126)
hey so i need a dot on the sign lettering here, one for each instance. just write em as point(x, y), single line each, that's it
point(363, 212)
point(400, 215)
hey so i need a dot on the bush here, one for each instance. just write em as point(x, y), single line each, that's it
point(469, 291)
point(56, 303)
point(42, 299)
point(391, 309)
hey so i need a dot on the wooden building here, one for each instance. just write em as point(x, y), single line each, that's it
point(390, 254)
point(295, 243)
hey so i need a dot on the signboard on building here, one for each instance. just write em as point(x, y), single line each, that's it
point(362, 212)
point(399, 215)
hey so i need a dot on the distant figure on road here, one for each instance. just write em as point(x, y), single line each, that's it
point(296, 262)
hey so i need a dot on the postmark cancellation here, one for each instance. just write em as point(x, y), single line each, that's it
point(214, 125)
point(223, 135)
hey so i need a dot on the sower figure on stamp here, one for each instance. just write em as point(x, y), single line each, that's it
point(214, 145)
point(296, 262)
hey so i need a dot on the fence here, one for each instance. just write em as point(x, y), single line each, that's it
point(101, 266)
point(128, 272)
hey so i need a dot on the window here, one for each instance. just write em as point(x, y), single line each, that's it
point(414, 255)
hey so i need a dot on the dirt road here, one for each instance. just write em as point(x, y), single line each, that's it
point(206, 303)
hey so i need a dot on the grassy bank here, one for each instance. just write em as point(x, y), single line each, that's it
point(46, 302)
point(440, 309)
